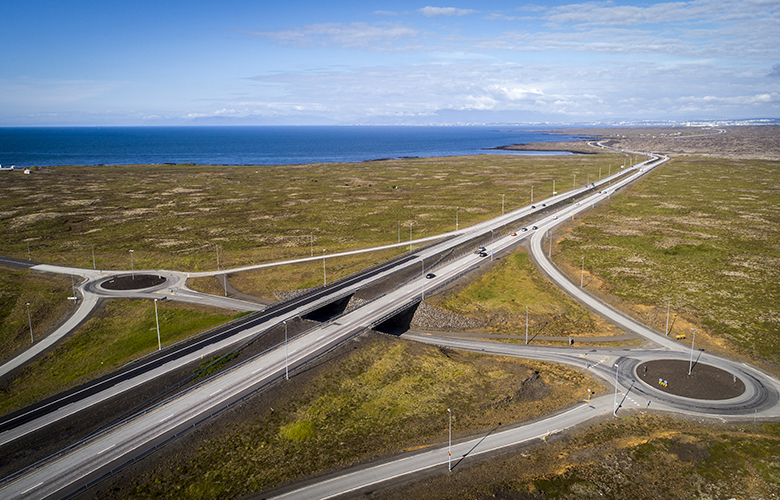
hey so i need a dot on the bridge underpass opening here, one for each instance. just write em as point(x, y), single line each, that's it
point(399, 323)
point(329, 311)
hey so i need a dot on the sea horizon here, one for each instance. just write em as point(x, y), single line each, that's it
point(258, 144)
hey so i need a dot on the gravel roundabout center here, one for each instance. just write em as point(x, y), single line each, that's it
point(704, 382)
point(130, 282)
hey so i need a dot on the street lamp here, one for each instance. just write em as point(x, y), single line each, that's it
point(526, 325)
point(449, 446)
point(693, 341)
point(324, 276)
point(574, 182)
point(456, 219)
point(614, 411)
point(422, 277)
point(502, 204)
point(217, 256)
point(29, 319)
point(286, 372)
point(532, 194)
point(668, 303)
point(157, 320)
point(582, 273)
point(410, 236)
point(311, 244)
point(132, 266)
point(93, 257)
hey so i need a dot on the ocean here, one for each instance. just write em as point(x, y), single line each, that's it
point(288, 145)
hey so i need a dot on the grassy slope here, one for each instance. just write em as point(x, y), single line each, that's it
point(48, 299)
point(500, 296)
point(122, 332)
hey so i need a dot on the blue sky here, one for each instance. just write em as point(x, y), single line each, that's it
point(394, 62)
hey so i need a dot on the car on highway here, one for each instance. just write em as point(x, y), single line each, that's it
point(533, 206)
point(513, 234)
point(535, 228)
point(482, 254)
point(430, 276)
point(525, 229)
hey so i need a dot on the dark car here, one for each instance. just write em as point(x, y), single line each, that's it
point(535, 227)
point(525, 229)
point(544, 204)
point(482, 254)
point(430, 276)
point(533, 206)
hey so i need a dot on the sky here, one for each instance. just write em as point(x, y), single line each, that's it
point(292, 62)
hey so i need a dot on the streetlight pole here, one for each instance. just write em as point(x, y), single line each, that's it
point(456, 218)
point(532, 194)
point(324, 275)
point(574, 182)
point(217, 257)
point(614, 411)
point(410, 237)
point(132, 266)
point(399, 231)
point(693, 341)
point(668, 303)
point(157, 320)
point(286, 372)
point(311, 243)
point(29, 320)
point(526, 325)
point(422, 277)
point(553, 187)
point(582, 273)
point(549, 252)
point(502, 204)
point(449, 446)
point(93, 257)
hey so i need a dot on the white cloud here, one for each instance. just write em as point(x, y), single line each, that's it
point(354, 35)
point(445, 11)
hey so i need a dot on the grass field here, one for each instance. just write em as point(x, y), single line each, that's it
point(123, 331)
point(48, 299)
point(500, 296)
point(702, 234)
point(179, 216)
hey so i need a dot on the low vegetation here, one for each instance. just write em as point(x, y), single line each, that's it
point(125, 330)
point(385, 397)
point(182, 216)
point(644, 457)
point(48, 299)
point(699, 234)
point(499, 297)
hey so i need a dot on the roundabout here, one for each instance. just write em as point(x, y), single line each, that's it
point(704, 382)
point(132, 282)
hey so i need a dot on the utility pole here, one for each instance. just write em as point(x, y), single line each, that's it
point(526, 325)
point(157, 321)
point(29, 319)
